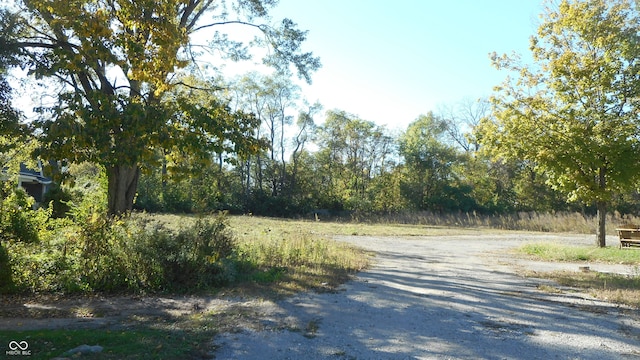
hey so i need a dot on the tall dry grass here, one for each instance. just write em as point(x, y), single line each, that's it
point(523, 221)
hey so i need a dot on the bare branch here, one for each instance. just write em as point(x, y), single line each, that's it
point(260, 27)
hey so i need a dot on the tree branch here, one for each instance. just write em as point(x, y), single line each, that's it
point(260, 27)
point(216, 88)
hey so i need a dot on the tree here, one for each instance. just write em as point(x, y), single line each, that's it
point(9, 117)
point(461, 120)
point(305, 130)
point(270, 98)
point(574, 112)
point(116, 60)
point(351, 151)
point(429, 161)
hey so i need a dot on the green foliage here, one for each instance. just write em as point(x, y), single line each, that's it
point(149, 103)
point(352, 152)
point(573, 113)
point(193, 189)
point(58, 199)
point(6, 277)
point(196, 257)
point(18, 220)
point(113, 255)
point(430, 181)
point(9, 117)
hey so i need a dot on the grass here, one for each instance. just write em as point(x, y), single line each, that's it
point(432, 224)
point(138, 343)
point(616, 288)
point(557, 252)
point(558, 222)
point(256, 226)
point(250, 224)
point(294, 256)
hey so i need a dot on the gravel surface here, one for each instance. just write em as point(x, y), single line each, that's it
point(453, 297)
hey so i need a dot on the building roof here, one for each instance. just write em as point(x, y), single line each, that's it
point(34, 175)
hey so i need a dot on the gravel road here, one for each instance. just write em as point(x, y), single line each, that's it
point(455, 297)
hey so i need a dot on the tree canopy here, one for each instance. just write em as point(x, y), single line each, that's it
point(574, 112)
point(117, 64)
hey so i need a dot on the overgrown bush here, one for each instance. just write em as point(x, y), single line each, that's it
point(18, 220)
point(89, 251)
point(195, 257)
point(122, 255)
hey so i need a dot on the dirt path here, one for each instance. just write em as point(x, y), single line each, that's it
point(446, 298)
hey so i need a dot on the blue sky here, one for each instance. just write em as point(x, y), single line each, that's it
point(390, 61)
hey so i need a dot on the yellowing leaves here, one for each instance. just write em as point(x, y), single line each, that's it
point(569, 112)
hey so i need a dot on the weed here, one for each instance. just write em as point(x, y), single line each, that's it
point(312, 328)
point(115, 255)
point(523, 221)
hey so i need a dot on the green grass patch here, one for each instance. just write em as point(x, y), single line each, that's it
point(138, 343)
point(558, 252)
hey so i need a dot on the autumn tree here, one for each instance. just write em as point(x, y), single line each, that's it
point(115, 62)
point(573, 113)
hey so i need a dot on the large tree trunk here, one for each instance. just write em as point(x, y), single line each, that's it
point(123, 183)
point(601, 234)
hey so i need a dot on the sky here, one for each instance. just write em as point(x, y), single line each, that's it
point(390, 61)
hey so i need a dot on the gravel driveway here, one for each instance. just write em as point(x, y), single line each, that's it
point(455, 297)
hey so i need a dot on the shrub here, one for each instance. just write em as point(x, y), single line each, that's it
point(195, 257)
point(6, 278)
point(58, 198)
point(18, 220)
point(114, 255)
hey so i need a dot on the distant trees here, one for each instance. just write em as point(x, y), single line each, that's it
point(271, 99)
point(430, 180)
point(573, 114)
point(351, 153)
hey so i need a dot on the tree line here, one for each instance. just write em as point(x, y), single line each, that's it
point(334, 162)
